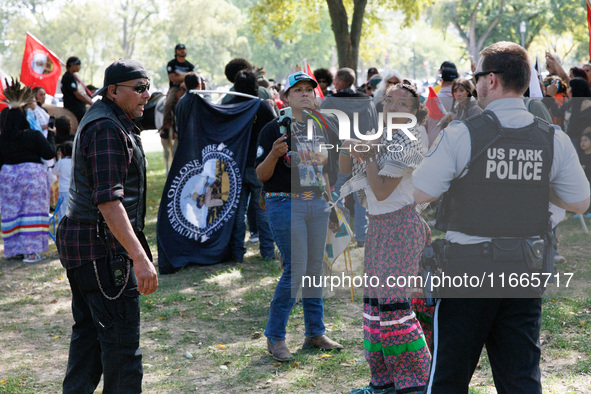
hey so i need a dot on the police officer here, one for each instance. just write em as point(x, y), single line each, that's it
point(517, 165)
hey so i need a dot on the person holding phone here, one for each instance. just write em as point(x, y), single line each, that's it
point(296, 176)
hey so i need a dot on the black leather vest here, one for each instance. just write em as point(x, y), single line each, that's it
point(505, 192)
point(80, 206)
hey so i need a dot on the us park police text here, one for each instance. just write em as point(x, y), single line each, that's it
point(514, 164)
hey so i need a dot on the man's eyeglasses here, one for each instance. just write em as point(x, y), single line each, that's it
point(483, 73)
point(138, 88)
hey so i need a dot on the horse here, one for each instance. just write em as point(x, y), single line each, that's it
point(58, 112)
point(152, 120)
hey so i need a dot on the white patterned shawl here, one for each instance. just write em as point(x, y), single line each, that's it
point(392, 164)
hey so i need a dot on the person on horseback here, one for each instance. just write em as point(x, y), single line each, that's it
point(177, 68)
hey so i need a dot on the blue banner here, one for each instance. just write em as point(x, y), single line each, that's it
point(202, 191)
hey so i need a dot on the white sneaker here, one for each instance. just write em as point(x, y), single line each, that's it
point(32, 258)
point(253, 238)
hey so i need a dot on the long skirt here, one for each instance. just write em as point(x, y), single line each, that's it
point(395, 345)
point(24, 206)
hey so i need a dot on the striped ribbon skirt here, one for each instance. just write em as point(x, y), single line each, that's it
point(395, 345)
point(24, 206)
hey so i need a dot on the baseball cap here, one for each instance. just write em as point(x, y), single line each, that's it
point(179, 46)
point(372, 70)
point(298, 77)
point(375, 80)
point(449, 74)
point(447, 64)
point(120, 71)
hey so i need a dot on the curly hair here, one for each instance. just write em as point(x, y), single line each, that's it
point(234, 66)
point(418, 105)
point(323, 73)
point(550, 78)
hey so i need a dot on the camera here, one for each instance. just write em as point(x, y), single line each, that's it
point(284, 120)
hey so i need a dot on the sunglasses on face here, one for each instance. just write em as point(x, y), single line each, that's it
point(138, 88)
point(483, 73)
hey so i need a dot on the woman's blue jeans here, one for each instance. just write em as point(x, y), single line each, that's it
point(299, 229)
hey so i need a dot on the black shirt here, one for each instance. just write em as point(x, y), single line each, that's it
point(176, 66)
point(264, 115)
point(28, 146)
point(69, 86)
point(311, 162)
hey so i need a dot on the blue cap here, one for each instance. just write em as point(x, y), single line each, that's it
point(298, 77)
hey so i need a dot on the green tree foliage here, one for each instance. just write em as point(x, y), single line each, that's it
point(482, 22)
point(416, 51)
point(209, 29)
point(348, 19)
point(279, 53)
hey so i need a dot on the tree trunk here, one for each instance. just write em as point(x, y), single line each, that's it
point(473, 43)
point(347, 42)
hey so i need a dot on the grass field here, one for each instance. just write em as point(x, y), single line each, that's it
point(202, 329)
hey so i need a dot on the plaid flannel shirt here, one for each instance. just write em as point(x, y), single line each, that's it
point(107, 153)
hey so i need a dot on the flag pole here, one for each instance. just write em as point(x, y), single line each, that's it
point(589, 25)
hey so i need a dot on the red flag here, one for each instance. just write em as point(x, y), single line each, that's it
point(40, 66)
point(434, 106)
point(318, 90)
point(2, 86)
point(589, 25)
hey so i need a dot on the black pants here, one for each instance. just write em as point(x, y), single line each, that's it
point(510, 329)
point(105, 335)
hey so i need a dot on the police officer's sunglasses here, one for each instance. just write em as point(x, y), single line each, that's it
point(483, 73)
point(138, 88)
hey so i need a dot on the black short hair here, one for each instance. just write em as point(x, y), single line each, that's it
point(62, 126)
point(192, 80)
point(246, 82)
point(72, 60)
point(66, 148)
point(323, 73)
point(449, 74)
point(234, 66)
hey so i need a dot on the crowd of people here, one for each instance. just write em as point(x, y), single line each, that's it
point(292, 188)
